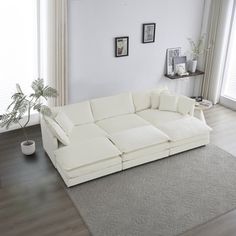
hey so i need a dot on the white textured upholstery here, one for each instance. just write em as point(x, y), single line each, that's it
point(50, 142)
point(65, 123)
point(57, 131)
point(145, 159)
point(79, 113)
point(189, 146)
point(186, 105)
point(157, 117)
point(193, 139)
point(155, 97)
point(138, 138)
point(142, 100)
point(168, 102)
point(185, 128)
point(89, 176)
point(107, 107)
point(120, 123)
point(86, 153)
point(146, 151)
point(82, 133)
point(107, 136)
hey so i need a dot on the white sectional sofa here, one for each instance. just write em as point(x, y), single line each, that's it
point(95, 138)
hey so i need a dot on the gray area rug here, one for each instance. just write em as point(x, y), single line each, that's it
point(166, 197)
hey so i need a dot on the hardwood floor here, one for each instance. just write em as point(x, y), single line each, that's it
point(33, 200)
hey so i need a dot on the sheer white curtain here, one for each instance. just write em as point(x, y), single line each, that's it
point(18, 47)
point(218, 28)
point(54, 43)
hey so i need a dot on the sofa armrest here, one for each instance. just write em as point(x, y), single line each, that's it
point(50, 142)
point(198, 113)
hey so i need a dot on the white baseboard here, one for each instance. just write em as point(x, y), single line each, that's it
point(33, 121)
point(228, 102)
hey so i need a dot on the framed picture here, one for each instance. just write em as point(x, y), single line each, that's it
point(179, 60)
point(121, 46)
point(170, 54)
point(149, 32)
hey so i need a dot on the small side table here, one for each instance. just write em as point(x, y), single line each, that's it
point(200, 107)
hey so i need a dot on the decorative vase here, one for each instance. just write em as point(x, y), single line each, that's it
point(192, 66)
point(28, 148)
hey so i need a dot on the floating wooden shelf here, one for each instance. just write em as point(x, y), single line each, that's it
point(196, 73)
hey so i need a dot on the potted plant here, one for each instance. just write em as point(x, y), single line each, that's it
point(23, 104)
point(196, 50)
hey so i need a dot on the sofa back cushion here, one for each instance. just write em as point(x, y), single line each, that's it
point(186, 105)
point(155, 96)
point(79, 113)
point(107, 107)
point(65, 123)
point(168, 102)
point(142, 100)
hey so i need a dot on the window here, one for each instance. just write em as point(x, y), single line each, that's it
point(18, 48)
point(229, 83)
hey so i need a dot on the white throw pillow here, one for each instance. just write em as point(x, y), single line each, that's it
point(155, 97)
point(168, 102)
point(65, 123)
point(185, 105)
point(57, 131)
point(142, 100)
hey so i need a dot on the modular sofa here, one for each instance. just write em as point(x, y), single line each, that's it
point(95, 138)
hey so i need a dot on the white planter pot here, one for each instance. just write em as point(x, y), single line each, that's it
point(28, 148)
point(192, 66)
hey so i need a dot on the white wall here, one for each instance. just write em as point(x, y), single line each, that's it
point(93, 25)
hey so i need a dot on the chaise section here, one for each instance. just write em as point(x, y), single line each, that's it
point(157, 117)
point(140, 145)
point(120, 123)
point(186, 133)
point(87, 160)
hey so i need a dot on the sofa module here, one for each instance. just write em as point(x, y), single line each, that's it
point(95, 138)
point(87, 160)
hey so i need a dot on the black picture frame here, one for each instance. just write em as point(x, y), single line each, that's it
point(122, 46)
point(149, 33)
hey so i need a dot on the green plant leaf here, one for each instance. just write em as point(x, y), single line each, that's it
point(49, 92)
point(45, 110)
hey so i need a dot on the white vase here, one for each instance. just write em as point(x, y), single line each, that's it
point(28, 148)
point(192, 66)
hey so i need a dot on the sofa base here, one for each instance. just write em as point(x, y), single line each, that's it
point(84, 178)
point(189, 146)
point(130, 163)
point(145, 159)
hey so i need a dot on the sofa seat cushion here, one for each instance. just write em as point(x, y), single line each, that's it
point(138, 138)
point(82, 133)
point(184, 128)
point(157, 117)
point(188, 140)
point(145, 152)
point(120, 123)
point(89, 155)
